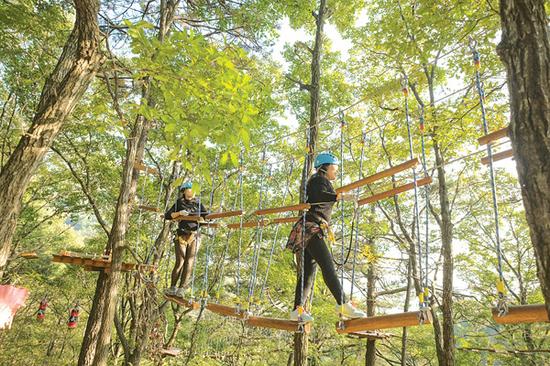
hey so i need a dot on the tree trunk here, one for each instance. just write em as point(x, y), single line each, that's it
point(448, 265)
point(370, 354)
point(62, 91)
point(405, 309)
point(95, 345)
point(525, 51)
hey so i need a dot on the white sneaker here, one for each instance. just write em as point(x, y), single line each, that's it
point(349, 311)
point(171, 291)
point(305, 317)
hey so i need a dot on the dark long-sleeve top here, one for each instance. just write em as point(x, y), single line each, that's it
point(320, 189)
point(191, 206)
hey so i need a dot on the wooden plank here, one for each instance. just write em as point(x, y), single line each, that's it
point(28, 255)
point(98, 264)
point(522, 314)
point(248, 224)
point(383, 174)
point(225, 310)
point(172, 352)
point(285, 220)
point(183, 302)
point(192, 218)
point(142, 167)
point(149, 208)
point(268, 211)
point(498, 156)
point(273, 323)
point(221, 215)
point(394, 191)
point(370, 335)
point(398, 320)
point(493, 136)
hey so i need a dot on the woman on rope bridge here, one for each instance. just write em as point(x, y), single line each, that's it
point(321, 195)
point(187, 240)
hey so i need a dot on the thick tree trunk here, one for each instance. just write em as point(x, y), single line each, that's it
point(525, 51)
point(446, 228)
point(370, 354)
point(95, 345)
point(301, 339)
point(62, 91)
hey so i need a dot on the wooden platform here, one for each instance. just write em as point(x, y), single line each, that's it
point(194, 305)
point(142, 167)
point(370, 335)
point(281, 324)
point(284, 220)
point(399, 320)
point(498, 156)
point(221, 215)
point(380, 175)
point(493, 136)
point(149, 208)
point(97, 263)
point(395, 191)
point(172, 352)
point(29, 255)
point(522, 314)
point(225, 310)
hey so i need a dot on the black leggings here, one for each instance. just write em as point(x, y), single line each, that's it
point(317, 253)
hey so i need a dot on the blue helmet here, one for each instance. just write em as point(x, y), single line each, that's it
point(325, 157)
point(186, 185)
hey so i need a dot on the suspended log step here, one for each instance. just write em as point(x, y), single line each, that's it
point(493, 136)
point(144, 168)
point(225, 310)
point(248, 224)
point(268, 211)
point(399, 320)
point(221, 215)
point(380, 175)
point(29, 255)
point(370, 335)
point(282, 324)
point(395, 191)
point(91, 263)
point(148, 208)
point(498, 156)
point(192, 218)
point(522, 314)
point(193, 305)
point(285, 220)
point(171, 352)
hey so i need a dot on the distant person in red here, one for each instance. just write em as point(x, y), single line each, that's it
point(41, 314)
point(73, 316)
point(187, 239)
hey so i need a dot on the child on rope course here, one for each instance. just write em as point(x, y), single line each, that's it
point(320, 193)
point(187, 240)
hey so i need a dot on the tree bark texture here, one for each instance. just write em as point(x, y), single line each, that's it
point(62, 91)
point(525, 51)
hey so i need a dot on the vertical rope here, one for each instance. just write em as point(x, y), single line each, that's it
point(501, 289)
point(357, 216)
point(416, 211)
point(210, 231)
point(308, 151)
point(195, 253)
point(342, 206)
point(239, 249)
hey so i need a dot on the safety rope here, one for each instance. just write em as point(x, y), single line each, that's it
point(285, 193)
point(342, 213)
point(197, 239)
point(405, 90)
point(239, 249)
point(204, 295)
point(259, 236)
point(356, 216)
point(502, 303)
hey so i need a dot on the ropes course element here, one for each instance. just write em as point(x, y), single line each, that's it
point(342, 219)
point(502, 302)
point(97, 263)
